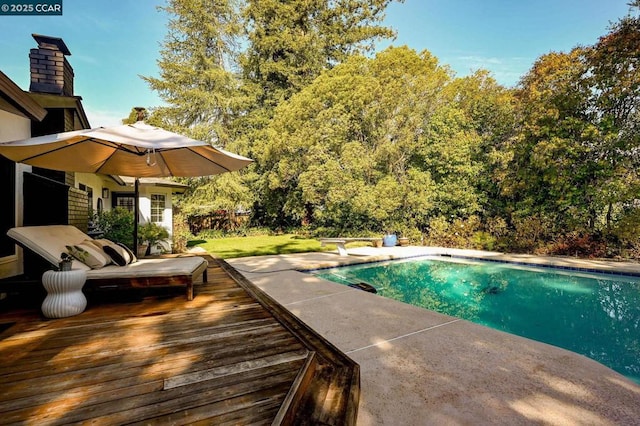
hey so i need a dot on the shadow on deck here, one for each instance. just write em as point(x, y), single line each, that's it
point(232, 355)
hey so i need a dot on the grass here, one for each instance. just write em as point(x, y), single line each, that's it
point(231, 247)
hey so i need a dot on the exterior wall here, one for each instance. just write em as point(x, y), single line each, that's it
point(68, 76)
point(145, 212)
point(14, 127)
point(97, 182)
point(78, 209)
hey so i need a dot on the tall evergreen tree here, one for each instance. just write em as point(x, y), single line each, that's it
point(291, 42)
point(199, 80)
point(197, 64)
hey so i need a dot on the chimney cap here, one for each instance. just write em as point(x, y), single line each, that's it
point(48, 42)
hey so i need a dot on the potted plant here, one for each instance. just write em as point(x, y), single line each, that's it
point(65, 263)
point(150, 234)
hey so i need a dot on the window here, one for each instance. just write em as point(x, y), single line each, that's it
point(157, 207)
point(125, 202)
point(89, 191)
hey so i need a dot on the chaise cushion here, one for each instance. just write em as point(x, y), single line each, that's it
point(180, 266)
point(49, 242)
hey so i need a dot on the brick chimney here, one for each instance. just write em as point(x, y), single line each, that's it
point(50, 70)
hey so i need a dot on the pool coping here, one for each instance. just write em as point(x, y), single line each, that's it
point(482, 259)
point(421, 367)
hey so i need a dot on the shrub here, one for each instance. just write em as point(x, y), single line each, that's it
point(152, 233)
point(413, 234)
point(631, 251)
point(627, 227)
point(459, 233)
point(581, 245)
point(482, 240)
point(243, 231)
point(530, 232)
point(438, 234)
point(181, 234)
point(117, 225)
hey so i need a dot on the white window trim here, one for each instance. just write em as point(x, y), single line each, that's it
point(162, 210)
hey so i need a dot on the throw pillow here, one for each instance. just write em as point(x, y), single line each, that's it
point(87, 253)
point(119, 255)
point(132, 256)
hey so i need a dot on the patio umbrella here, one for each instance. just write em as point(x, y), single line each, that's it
point(136, 150)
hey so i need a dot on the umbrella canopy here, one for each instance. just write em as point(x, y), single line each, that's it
point(136, 150)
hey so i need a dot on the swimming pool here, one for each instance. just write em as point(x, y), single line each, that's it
point(596, 315)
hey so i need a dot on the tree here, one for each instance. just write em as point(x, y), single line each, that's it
point(136, 114)
point(200, 82)
point(489, 111)
point(289, 45)
point(614, 78)
point(554, 173)
point(371, 144)
point(291, 42)
point(576, 157)
point(198, 57)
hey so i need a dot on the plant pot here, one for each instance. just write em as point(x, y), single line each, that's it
point(65, 265)
point(403, 241)
point(142, 250)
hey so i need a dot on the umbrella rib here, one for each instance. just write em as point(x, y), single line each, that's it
point(196, 153)
point(118, 147)
point(24, 160)
point(164, 160)
point(98, 141)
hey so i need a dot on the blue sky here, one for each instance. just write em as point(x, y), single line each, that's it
point(113, 42)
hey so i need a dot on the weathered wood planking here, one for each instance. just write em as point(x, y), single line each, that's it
point(230, 356)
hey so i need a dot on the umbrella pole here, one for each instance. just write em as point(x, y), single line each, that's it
point(136, 213)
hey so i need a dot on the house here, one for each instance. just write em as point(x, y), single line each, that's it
point(36, 196)
point(17, 111)
point(156, 203)
point(155, 198)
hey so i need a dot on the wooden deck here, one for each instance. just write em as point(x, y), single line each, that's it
point(230, 356)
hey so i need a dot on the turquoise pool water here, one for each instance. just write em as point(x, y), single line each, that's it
point(596, 315)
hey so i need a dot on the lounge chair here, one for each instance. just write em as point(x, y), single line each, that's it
point(50, 241)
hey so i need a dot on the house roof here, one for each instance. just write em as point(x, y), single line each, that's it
point(15, 100)
point(49, 101)
point(162, 182)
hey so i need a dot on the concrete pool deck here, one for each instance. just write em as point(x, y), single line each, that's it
point(422, 367)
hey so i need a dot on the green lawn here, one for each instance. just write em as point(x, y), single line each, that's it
point(257, 246)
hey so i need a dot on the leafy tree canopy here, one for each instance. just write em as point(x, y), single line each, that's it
point(371, 144)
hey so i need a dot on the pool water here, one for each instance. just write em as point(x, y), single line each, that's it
point(596, 315)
